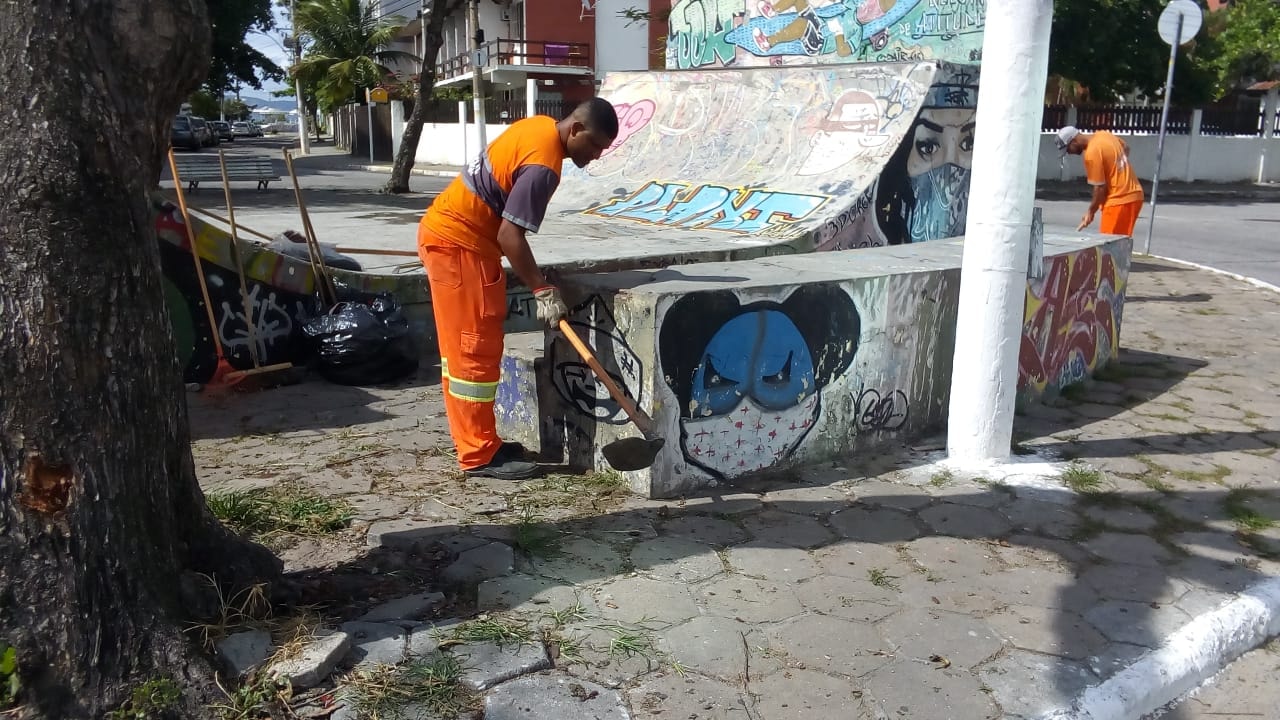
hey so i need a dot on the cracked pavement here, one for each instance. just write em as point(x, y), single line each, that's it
point(877, 587)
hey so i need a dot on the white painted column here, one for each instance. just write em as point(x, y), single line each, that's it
point(993, 274)
point(531, 97)
point(1193, 139)
point(1269, 102)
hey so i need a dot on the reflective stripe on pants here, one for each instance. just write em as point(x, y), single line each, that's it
point(469, 302)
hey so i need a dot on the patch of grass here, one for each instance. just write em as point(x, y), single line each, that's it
point(941, 477)
point(1088, 529)
point(881, 578)
point(152, 699)
point(431, 682)
point(251, 699)
point(1207, 311)
point(570, 647)
point(1217, 475)
point(564, 616)
point(10, 684)
point(1081, 478)
point(1075, 392)
point(629, 642)
point(493, 630)
point(248, 608)
point(264, 512)
point(533, 538)
point(1236, 506)
point(1104, 498)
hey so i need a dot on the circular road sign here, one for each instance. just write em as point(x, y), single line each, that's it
point(1168, 22)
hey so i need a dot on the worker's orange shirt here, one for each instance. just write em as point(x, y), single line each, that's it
point(514, 179)
point(1105, 163)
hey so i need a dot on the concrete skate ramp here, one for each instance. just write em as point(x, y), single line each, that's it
point(731, 164)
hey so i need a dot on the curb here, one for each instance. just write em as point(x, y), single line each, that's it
point(1234, 276)
point(1194, 653)
point(387, 169)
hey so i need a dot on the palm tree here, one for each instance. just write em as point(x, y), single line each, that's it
point(346, 48)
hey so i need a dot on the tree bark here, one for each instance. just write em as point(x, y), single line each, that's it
point(103, 526)
point(403, 165)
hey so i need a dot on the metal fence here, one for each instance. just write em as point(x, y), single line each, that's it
point(1139, 119)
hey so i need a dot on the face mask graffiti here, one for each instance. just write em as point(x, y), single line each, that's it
point(748, 438)
point(941, 200)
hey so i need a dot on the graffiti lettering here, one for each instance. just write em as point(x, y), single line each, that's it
point(698, 29)
point(573, 379)
point(874, 411)
point(949, 18)
point(710, 207)
point(271, 322)
point(1072, 319)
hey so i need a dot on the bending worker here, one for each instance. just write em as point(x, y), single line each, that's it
point(1107, 169)
point(482, 216)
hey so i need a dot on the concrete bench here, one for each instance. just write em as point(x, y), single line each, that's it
point(195, 170)
point(758, 366)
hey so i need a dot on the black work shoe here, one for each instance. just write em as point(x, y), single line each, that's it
point(512, 449)
point(506, 465)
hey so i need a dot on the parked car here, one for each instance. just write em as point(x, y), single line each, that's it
point(202, 131)
point(240, 129)
point(222, 130)
point(182, 134)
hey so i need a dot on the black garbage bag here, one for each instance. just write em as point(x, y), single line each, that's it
point(362, 342)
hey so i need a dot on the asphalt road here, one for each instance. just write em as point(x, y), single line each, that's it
point(1239, 236)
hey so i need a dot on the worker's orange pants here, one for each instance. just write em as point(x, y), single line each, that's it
point(469, 301)
point(1120, 219)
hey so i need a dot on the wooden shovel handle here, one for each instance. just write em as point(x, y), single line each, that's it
point(636, 415)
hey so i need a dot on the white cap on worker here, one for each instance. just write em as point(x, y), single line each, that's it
point(1065, 136)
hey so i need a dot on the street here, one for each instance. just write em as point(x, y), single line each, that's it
point(1236, 236)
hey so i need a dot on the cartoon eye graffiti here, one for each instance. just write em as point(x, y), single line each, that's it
point(748, 379)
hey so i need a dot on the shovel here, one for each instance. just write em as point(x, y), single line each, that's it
point(633, 453)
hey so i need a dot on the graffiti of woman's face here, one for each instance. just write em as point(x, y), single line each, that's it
point(941, 137)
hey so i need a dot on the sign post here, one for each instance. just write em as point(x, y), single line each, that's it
point(1177, 25)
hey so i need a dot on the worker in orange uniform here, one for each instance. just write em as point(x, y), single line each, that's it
point(1116, 190)
point(482, 216)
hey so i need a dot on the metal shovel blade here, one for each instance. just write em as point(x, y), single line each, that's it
point(633, 453)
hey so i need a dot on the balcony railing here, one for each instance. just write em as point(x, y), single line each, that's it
point(519, 52)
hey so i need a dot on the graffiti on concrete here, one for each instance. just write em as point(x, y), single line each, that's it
point(1072, 318)
point(875, 411)
point(708, 33)
point(573, 379)
point(782, 130)
point(748, 379)
point(923, 192)
point(710, 207)
point(271, 320)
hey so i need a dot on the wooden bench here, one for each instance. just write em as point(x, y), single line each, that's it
point(194, 170)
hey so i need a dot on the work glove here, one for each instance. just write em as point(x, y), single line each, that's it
point(551, 307)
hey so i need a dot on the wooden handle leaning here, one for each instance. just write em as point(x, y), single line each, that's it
point(637, 416)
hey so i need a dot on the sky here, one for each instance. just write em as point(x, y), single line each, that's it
point(273, 48)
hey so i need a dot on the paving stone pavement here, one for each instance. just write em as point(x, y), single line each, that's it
point(874, 587)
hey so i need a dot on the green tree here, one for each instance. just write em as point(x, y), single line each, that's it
point(105, 535)
point(1247, 44)
point(233, 61)
point(346, 48)
point(405, 157)
point(1112, 48)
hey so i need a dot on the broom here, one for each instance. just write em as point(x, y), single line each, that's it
point(258, 369)
point(223, 368)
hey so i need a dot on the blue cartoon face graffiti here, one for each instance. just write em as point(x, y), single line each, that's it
point(749, 379)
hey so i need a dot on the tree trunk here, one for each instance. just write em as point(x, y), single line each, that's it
point(403, 166)
point(102, 524)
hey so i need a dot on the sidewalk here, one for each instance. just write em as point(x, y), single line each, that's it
point(880, 588)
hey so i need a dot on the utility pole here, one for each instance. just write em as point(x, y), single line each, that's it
point(477, 96)
point(303, 138)
point(993, 273)
point(423, 19)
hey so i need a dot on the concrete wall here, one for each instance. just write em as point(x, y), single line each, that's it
point(759, 365)
point(1186, 158)
point(452, 143)
point(619, 44)
point(706, 33)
